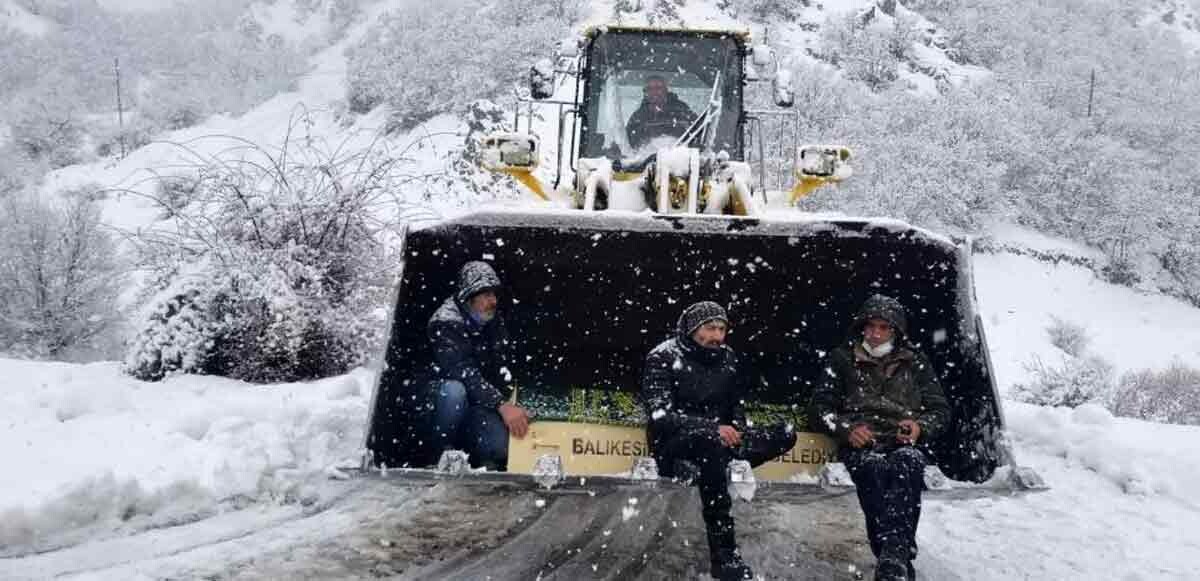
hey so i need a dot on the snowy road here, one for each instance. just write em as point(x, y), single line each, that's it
point(372, 528)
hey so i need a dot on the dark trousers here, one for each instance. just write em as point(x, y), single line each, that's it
point(889, 481)
point(705, 450)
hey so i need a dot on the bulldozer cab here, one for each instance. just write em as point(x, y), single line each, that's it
point(643, 92)
point(657, 120)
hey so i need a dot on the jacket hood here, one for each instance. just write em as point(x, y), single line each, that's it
point(699, 314)
point(474, 278)
point(880, 307)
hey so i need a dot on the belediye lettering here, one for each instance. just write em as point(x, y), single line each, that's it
point(804, 456)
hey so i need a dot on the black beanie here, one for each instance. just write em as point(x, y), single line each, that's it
point(699, 314)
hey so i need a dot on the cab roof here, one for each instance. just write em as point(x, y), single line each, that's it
point(742, 36)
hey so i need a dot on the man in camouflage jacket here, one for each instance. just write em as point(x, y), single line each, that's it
point(880, 398)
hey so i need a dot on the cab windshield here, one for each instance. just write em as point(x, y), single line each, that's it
point(649, 92)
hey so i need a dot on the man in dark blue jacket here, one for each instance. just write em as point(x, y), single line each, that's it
point(879, 399)
point(472, 383)
point(693, 390)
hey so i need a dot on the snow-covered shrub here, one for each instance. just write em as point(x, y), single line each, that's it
point(273, 268)
point(869, 53)
point(47, 131)
point(438, 57)
point(1182, 262)
point(1072, 338)
point(1170, 396)
point(1078, 380)
point(764, 10)
point(1081, 378)
point(59, 276)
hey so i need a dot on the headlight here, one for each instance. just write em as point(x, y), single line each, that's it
point(510, 151)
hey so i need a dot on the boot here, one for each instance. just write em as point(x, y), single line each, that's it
point(727, 565)
point(684, 471)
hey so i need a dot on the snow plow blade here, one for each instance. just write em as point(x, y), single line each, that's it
point(768, 491)
point(587, 295)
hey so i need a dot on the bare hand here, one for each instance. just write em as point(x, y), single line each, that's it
point(515, 419)
point(729, 436)
point(908, 432)
point(861, 435)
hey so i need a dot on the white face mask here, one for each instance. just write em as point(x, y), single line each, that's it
point(881, 351)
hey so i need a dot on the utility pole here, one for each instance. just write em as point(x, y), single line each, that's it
point(1091, 91)
point(120, 108)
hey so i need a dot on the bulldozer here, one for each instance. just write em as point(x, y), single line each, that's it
point(631, 226)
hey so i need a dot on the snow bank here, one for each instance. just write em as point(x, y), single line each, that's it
point(1136, 457)
point(1118, 506)
point(91, 451)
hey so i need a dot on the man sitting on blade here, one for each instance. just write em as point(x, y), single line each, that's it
point(879, 398)
point(471, 384)
point(693, 390)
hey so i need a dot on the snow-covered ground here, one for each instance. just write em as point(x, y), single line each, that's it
point(95, 460)
point(91, 454)
point(1018, 297)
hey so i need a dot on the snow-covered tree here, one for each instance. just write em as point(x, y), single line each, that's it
point(439, 57)
point(59, 276)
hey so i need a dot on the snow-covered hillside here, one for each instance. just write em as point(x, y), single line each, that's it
point(93, 455)
point(108, 477)
point(314, 112)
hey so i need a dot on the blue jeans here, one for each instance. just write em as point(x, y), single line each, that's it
point(457, 425)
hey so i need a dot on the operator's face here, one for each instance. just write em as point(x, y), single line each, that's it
point(877, 332)
point(656, 92)
point(711, 335)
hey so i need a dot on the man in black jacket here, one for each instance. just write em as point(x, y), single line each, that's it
point(879, 399)
point(471, 383)
point(661, 113)
point(693, 390)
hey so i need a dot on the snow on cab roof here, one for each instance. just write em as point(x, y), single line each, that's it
point(740, 33)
